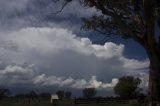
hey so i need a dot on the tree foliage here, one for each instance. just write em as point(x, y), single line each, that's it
point(120, 17)
point(60, 94)
point(89, 92)
point(4, 92)
point(68, 95)
point(64, 95)
point(32, 95)
point(45, 95)
point(127, 87)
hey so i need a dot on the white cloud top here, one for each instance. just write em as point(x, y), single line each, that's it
point(58, 52)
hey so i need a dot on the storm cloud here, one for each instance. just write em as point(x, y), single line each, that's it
point(39, 49)
point(57, 53)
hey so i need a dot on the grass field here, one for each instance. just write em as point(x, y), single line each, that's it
point(42, 102)
point(25, 102)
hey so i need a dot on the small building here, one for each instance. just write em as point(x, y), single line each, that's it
point(54, 97)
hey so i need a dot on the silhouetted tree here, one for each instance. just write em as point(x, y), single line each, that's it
point(130, 19)
point(3, 92)
point(89, 92)
point(128, 87)
point(68, 95)
point(20, 95)
point(32, 95)
point(60, 94)
point(45, 95)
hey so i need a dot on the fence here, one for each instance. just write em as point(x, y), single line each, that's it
point(101, 101)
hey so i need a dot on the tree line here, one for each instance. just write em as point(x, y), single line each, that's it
point(127, 87)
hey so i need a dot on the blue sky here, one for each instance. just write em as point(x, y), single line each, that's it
point(43, 51)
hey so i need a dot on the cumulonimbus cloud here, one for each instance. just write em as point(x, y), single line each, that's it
point(58, 52)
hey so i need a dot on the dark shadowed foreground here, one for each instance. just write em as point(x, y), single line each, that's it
point(71, 102)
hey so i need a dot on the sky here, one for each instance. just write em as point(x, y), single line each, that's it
point(43, 51)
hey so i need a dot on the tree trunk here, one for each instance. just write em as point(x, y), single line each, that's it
point(153, 50)
point(154, 77)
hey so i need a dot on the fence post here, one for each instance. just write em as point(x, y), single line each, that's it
point(75, 101)
point(97, 100)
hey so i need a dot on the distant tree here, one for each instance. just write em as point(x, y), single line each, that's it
point(32, 95)
point(68, 95)
point(89, 92)
point(20, 95)
point(3, 92)
point(128, 87)
point(45, 95)
point(60, 94)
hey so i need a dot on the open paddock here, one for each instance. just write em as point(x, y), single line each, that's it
point(71, 102)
